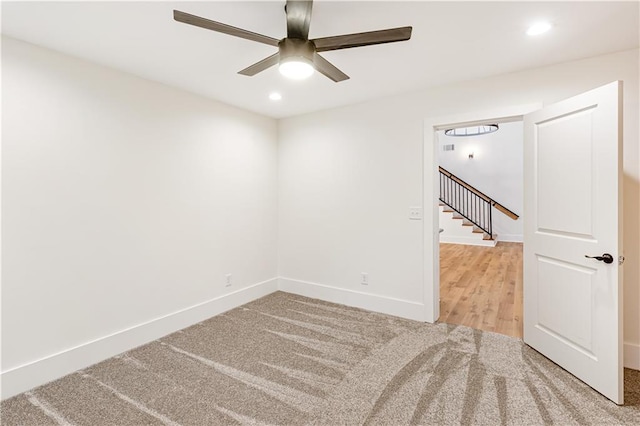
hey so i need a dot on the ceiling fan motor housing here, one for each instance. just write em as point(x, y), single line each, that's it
point(296, 48)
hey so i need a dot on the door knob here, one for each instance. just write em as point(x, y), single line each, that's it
point(606, 258)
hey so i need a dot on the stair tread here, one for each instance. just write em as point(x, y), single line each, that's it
point(467, 223)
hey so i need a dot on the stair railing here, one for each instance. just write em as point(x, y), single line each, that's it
point(469, 202)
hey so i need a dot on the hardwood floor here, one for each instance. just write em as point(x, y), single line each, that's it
point(481, 287)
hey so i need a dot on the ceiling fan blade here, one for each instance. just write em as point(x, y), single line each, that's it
point(261, 66)
point(347, 41)
point(328, 69)
point(208, 24)
point(298, 18)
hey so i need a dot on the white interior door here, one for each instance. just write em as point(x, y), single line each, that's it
point(572, 173)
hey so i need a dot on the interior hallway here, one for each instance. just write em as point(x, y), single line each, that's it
point(481, 287)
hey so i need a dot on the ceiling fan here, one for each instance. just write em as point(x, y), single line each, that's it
point(298, 56)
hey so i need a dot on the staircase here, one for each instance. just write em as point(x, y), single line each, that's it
point(469, 207)
point(458, 230)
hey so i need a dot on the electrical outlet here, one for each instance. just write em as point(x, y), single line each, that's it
point(227, 280)
point(415, 213)
point(364, 278)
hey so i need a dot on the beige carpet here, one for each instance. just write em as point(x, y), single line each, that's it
point(290, 360)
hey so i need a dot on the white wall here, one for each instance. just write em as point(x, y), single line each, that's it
point(346, 184)
point(495, 169)
point(124, 202)
point(347, 177)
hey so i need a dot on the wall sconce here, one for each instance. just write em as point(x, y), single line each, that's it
point(471, 154)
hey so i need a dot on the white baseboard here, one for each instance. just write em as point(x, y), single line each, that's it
point(28, 376)
point(632, 355)
point(471, 241)
point(386, 305)
point(510, 238)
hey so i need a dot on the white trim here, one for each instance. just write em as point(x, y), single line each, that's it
point(386, 305)
point(469, 241)
point(632, 355)
point(36, 373)
point(511, 238)
point(431, 264)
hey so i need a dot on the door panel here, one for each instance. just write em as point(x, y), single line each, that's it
point(566, 184)
point(572, 309)
point(565, 287)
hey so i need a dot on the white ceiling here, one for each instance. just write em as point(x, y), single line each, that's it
point(451, 41)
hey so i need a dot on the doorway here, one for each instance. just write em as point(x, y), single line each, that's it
point(431, 182)
point(481, 226)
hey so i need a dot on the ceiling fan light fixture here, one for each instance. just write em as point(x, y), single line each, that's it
point(297, 54)
point(296, 68)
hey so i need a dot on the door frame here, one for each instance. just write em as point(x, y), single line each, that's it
point(431, 237)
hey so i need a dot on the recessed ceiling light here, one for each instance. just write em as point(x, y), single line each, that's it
point(275, 96)
point(538, 28)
